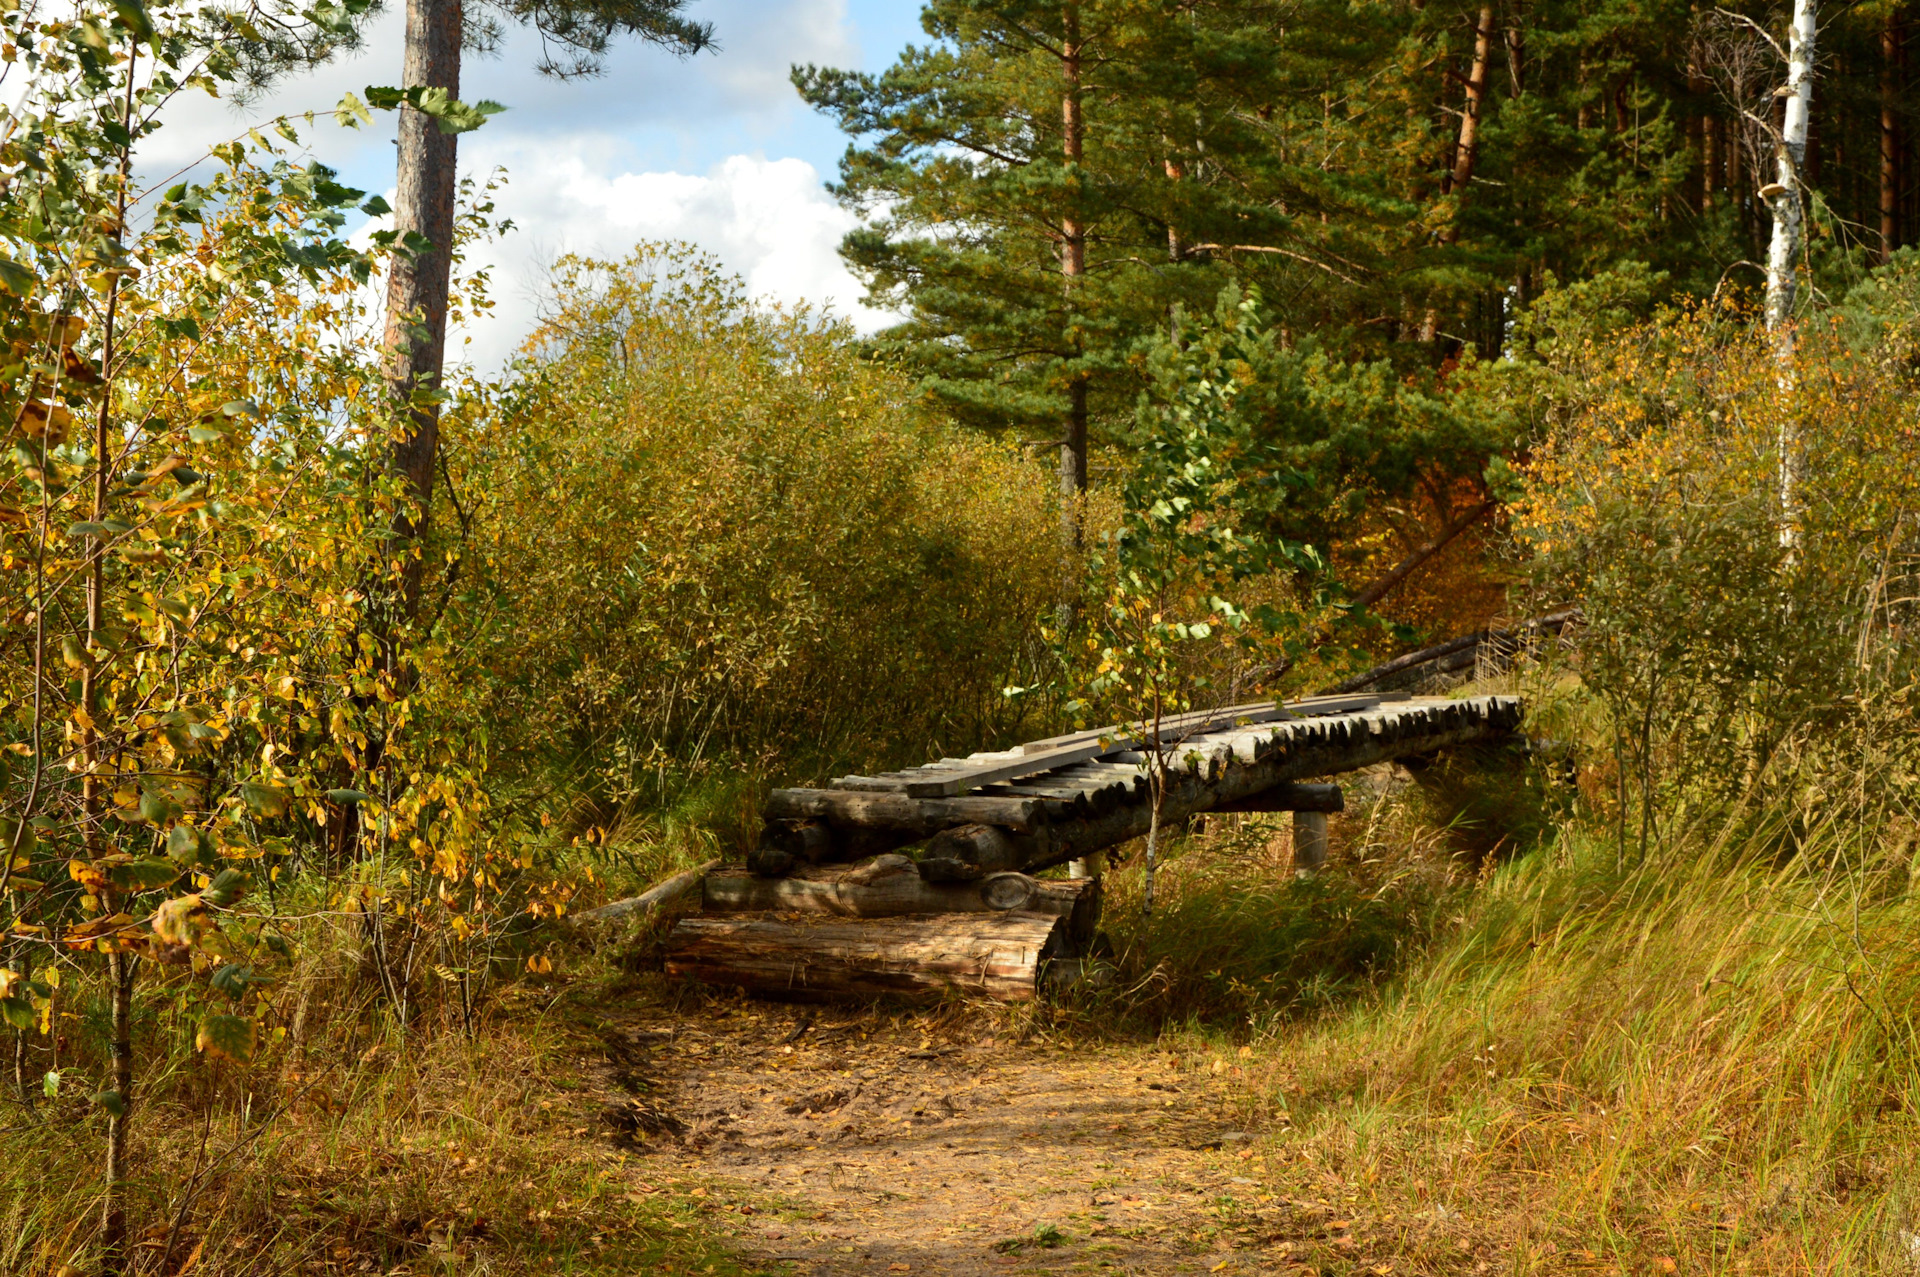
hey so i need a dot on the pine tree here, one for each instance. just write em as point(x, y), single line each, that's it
point(576, 35)
point(1044, 184)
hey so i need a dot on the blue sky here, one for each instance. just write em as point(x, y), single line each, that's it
point(716, 149)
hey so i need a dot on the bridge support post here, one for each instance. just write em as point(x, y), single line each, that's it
point(1309, 841)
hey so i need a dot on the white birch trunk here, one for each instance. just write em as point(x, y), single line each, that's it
point(1786, 199)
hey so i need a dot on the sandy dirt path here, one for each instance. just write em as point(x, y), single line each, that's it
point(831, 1143)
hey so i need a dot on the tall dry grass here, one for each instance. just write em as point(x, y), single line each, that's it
point(355, 1141)
point(1705, 1058)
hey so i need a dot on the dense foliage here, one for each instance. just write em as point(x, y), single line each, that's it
point(718, 537)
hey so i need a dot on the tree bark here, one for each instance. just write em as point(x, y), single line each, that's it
point(113, 1221)
point(1073, 265)
point(1467, 149)
point(1785, 198)
point(995, 955)
point(416, 334)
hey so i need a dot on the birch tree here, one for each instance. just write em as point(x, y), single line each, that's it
point(1785, 197)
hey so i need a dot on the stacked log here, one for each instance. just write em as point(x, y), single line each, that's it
point(965, 915)
point(1000, 955)
point(889, 886)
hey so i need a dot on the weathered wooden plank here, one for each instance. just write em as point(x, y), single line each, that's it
point(998, 955)
point(1303, 749)
point(897, 811)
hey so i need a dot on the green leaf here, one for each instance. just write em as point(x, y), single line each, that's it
point(89, 529)
point(156, 808)
point(143, 875)
point(16, 278)
point(376, 207)
point(265, 800)
point(462, 117)
point(133, 16)
point(17, 1012)
point(185, 844)
point(207, 434)
point(228, 886)
point(112, 1101)
point(344, 796)
point(232, 979)
point(50, 1084)
point(228, 1036)
point(351, 113)
point(384, 98)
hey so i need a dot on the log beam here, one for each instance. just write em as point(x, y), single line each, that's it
point(999, 955)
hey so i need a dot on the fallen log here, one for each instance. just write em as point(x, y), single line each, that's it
point(889, 886)
point(999, 955)
point(658, 896)
point(969, 852)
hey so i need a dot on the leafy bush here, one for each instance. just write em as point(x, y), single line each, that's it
point(719, 537)
point(1746, 649)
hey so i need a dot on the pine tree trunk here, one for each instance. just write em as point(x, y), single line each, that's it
point(1786, 200)
point(1073, 265)
point(1467, 149)
point(1890, 46)
point(416, 336)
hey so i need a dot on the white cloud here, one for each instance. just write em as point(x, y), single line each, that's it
point(769, 221)
point(659, 147)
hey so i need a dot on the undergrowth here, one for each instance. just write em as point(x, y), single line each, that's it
point(353, 1142)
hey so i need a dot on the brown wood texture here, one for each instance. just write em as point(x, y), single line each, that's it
point(891, 886)
point(951, 777)
point(998, 955)
point(1073, 810)
point(915, 816)
point(1234, 766)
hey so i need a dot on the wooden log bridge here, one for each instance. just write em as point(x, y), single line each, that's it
point(963, 913)
point(1049, 802)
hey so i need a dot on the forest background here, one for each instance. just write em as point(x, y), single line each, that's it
point(1245, 344)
